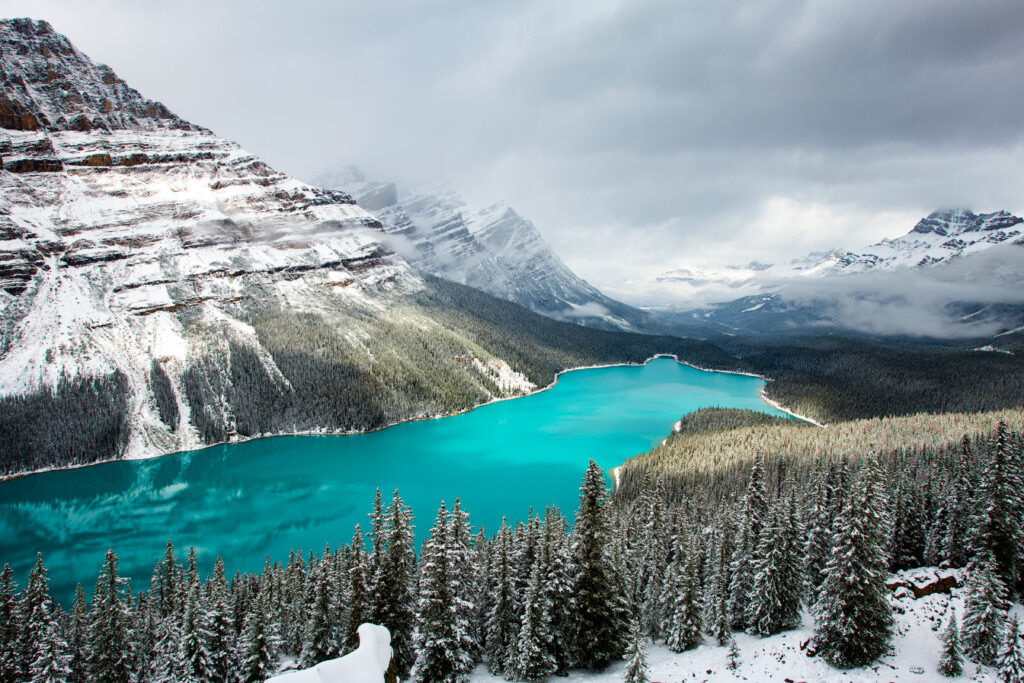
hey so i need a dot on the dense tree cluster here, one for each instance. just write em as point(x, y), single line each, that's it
point(539, 597)
point(77, 422)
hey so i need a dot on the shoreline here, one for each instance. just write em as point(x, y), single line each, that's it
point(418, 418)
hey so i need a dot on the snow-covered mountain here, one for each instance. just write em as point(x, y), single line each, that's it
point(956, 270)
point(140, 247)
point(493, 249)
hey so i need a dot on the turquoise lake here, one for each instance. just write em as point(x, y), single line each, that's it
point(244, 501)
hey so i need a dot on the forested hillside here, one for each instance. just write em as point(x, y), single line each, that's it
point(541, 597)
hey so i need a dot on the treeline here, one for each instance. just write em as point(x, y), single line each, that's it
point(78, 421)
point(832, 379)
point(713, 450)
point(539, 597)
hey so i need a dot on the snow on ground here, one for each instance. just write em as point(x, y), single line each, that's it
point(914, 657)
point(366, 664)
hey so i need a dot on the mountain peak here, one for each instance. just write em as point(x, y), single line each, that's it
point(958, 221)
point(48, 84)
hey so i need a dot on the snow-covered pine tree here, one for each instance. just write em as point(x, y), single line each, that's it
point(532, 660)
point(952, 662)
point(501, 629)
point(999, 522)
point(167, 658)
point(853, 618)
point(293, 604)
point(395, 602)
point(357, 593)
point(1011, 658)
point(558, 584)
point(959, 503)
point(109, 620)
point(221, 642)
point(463, 581)
point(683, 613)
point(50, 664)
point(775, 599)
point(166, 587)
point(601, 633)
point(817, 546)
point(985, 608)
point(751, 521)
point(320, 642)
point(655, 548)
point(195, 634)
point(258, 645)
point(77, 638)
point(734, 655)
point(636, 659)
point(378, 543)
point(443, 654)
point(10, 627)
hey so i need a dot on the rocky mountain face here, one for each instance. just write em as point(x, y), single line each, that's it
point(493, 249)
point(164, 273)
point(965, 265)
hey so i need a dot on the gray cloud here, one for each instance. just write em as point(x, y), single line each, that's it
point(638, 135)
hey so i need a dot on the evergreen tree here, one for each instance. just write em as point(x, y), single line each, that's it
point(50, 664)
point(985, 608)
point(775, 599)
point(683, 616)
point(501, 628)
point(220, 621)
point(109, 646)
point(533, 660)
point(1000, 518)
point(463, 580)
point(395, 603)
point(1011, 659)
point(167, 658)
point(600, 635)
point(741, 581)
point(167, 584)
point(636, 660)
point(952, 662)
point(357, 591)
point(444, 655)
point(10, 627)
point(558, 585)
point(320, 642)
point(854, 619)
point(78, 639)
point(259, 644)
point(734, 655)
point(195, 635)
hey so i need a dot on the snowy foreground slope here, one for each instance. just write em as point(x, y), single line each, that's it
point(366, 664)
point(493, 249)
point(914, 655)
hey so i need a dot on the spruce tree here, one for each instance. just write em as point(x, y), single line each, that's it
point(167, 584)
point(683, 614)
point(50, 664)
point(444, 655)
point(394, 601)
point(952, 662)
point(1011, 658)
point(195, 635)
point(357, 592)
point(109, 620)
point(533, 660)
point(999, 525)
point(463, 581)
point(501, 630)
point(775, 599)
point(636, 660)
point(220, 622)
point(558, 584)
point(741, 581)
point(258, 645)
point(734, 655)
point(600, 636)
point(10, 628)
point(167, 663)
point(985, 608)
point(853, 618)
point(78, 639)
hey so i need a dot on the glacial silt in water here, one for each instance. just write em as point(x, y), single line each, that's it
point(263, 497)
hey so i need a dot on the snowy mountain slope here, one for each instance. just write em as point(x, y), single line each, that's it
point(136, 245)
point(493, 249)
point(956, 273)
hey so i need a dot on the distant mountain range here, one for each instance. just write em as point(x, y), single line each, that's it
point(493, 249)
point(956, 273)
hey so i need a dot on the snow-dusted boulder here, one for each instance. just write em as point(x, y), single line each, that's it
point(366, 665)
point(923, 581)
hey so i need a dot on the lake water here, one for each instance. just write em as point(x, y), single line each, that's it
point(247, 500)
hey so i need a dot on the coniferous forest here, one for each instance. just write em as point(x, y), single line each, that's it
point(536, 598)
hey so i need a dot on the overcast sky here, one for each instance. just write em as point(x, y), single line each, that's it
point(638, 135)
